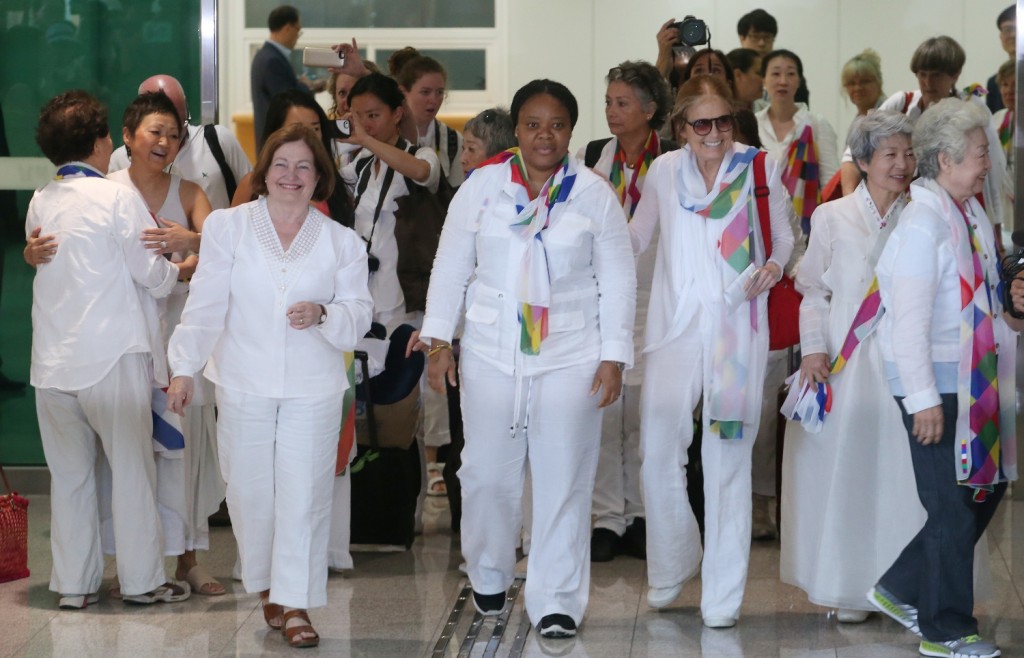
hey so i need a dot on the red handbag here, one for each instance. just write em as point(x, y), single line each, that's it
point(13, 534)
point(783, 298)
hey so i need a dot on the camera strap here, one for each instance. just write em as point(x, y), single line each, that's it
point(364, 180)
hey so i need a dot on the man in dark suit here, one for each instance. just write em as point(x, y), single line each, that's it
point(271, 71)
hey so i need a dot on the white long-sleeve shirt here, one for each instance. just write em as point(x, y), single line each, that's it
point(593, 278)
point(388, 300)
point(920, 287)
point(236, 312)
point(96, 300)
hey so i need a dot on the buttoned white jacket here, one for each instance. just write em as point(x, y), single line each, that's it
point(593, 278)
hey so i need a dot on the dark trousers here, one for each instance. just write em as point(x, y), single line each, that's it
point(935, 572)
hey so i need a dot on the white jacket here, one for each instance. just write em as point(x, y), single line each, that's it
point(593, 278)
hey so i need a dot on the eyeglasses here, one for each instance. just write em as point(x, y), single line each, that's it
point(766, 38)
point(702, 127)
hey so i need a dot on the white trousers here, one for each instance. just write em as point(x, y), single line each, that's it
point(617, 491)
point(116, 411)
point(558, 423)
point(765, 459)
point(278, 457)
point(673, 381)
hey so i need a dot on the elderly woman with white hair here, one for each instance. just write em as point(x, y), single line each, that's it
point(842, 504)
point(948, 347)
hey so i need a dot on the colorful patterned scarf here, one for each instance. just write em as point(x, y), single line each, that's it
point(617, 176)
point(977, 423)
point(800, 176)
point(1006, 134)
point(733, 204)
point(535, 215)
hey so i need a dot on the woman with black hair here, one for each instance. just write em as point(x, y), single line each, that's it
point(541, 242)
point(636, 105)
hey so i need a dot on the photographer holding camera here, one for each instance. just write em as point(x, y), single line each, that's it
point(676, 42)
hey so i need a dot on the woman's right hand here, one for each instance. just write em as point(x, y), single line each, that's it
point(40, 248)
point(814, 368)
point(440, 364)
point(928, 425)
point(179, 394)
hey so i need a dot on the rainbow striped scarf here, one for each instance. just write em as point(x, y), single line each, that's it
point(652, 148)
point(731, 352)
point(535, 215)
point(800, 176)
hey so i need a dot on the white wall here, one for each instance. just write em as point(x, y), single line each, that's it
point(577, 41)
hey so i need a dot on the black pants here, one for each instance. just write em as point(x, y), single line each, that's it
point(935, 572)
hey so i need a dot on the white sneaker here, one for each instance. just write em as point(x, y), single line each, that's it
point(719, 622)
point(659, 597)
point(849, 616)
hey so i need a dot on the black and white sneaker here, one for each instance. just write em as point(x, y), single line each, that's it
point(557, 626)
point(489, 605)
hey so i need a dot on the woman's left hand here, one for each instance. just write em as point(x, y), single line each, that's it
point(608, 381)
point(762, 279)
point(303, 315)
point(170, 238)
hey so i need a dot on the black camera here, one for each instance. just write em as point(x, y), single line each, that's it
point(373, 263)
point(692, 32)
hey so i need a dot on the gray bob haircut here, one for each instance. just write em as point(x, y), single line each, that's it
point(648, 84)
point(494, 128)
point(943, 128)
point(868, 131)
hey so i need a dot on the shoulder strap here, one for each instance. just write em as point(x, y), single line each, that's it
point(761, 193)
point(593, 152)
point(363, 171)
point(210, 135)
point(453, 145)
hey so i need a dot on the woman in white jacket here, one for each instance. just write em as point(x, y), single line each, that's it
point(707, 331)
point(549, 326)
point(279, 295)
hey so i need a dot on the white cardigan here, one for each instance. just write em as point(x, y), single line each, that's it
point(593, 279)
point(236, 312)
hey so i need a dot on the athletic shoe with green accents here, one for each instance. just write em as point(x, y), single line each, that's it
point(903, 614)
point(971, 646)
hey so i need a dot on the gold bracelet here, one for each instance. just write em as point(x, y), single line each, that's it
point(435, 350)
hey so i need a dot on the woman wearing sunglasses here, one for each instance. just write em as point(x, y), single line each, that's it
point(707, 339)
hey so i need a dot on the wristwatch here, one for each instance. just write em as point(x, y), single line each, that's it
point(323, 315)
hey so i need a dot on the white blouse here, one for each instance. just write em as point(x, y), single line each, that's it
point(236, 312)
point(824, 139)
point(388, 300)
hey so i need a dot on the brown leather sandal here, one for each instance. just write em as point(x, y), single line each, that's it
point(271, 611)
point(292, 634)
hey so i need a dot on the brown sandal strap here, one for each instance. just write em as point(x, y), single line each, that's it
point(292, 633)
point(271, 610)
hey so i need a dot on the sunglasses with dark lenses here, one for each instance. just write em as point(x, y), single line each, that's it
point(702, 127)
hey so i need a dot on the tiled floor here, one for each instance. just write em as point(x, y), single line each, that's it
point(397, 604)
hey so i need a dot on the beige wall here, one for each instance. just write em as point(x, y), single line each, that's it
point(577, 41)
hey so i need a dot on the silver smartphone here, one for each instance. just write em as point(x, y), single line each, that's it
point(322, 58)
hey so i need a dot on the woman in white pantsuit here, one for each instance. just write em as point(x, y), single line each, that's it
point(549, 323)
point(707, 337)
point(279, 295)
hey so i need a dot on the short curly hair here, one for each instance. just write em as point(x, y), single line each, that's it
point(943, 128)
point(648, 84)
point(69, 125)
